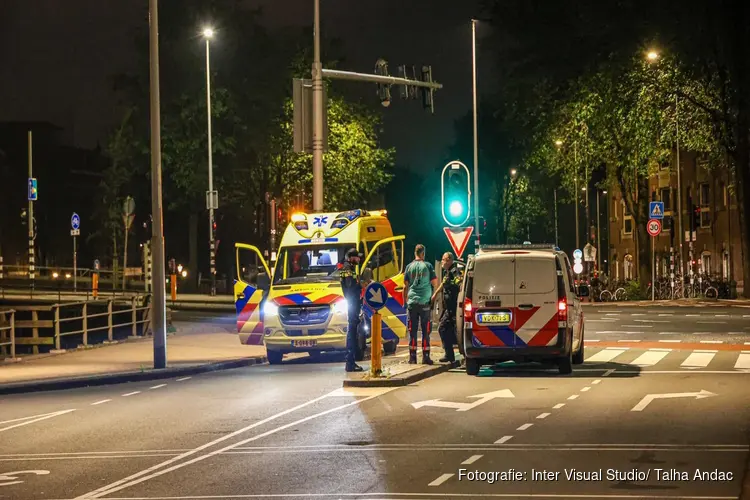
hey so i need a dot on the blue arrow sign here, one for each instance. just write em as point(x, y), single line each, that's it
point(656, 210)
point(376, 295)
point(33, 192)
point(75, 221)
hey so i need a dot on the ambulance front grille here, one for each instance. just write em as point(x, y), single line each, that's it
point(304, 315)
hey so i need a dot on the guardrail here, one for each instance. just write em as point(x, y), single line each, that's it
point(8, 333)
point(85, 316)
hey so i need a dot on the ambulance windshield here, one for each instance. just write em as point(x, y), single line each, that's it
point(308, 264)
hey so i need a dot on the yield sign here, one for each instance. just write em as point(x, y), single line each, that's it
point(458, 238)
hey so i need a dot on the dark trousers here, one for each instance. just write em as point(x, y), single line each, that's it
point(351, 332)
point(447, 331)
point(419, 314)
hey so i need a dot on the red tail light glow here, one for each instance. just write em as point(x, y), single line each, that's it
point(467, 310)
point(562, 310)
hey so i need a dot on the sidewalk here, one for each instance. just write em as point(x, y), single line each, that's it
point(674, 303)
point(191, 350)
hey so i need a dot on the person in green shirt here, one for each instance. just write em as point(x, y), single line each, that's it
point(420, 282)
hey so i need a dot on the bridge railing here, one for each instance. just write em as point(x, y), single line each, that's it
point(8, 332)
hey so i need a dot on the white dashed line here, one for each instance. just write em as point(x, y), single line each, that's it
point(632, 340)
point(638, 314)
point(669, 333)
point(471, 459)
point(503, 439)
point(542, 416)
point(524, 427)
point(595, 382)
point(182, 379)
point(158, 386)
point(666, 314)
point(574, 396)
point(692, 315)
point(712, 341)
point(609, 372)
point(441, 480)
point(721, 315)
point(558, 406)
point(586, 389)
point(673, 341)
point(637, 326)
point(593, 340)
point(100, 402)
point(747, 343)
point(712, 322)
point(131, 394)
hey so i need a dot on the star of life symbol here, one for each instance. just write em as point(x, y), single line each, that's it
point(320, 221)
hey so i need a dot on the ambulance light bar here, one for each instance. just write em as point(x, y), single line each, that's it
point(299, 217)
point(525, 246)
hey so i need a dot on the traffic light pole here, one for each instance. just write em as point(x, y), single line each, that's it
point(30, 220)
point(387, 80)
point(476, 147)
point(317, 78)
point(159, 302)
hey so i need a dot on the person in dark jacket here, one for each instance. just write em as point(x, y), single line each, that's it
point(353, 293)
point(447, 324)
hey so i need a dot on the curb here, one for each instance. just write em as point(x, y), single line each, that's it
point(400, 380)
point(124, 377)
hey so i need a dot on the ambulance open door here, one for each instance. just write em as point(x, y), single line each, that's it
point(386, 261)
point(251, 285)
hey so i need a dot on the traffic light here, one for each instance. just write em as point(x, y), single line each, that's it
point(427, 94)
point(384, 90)
point(24, 216)
point(456, 194)
point(695, 218)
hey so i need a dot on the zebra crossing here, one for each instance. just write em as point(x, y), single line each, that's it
point(669, 359)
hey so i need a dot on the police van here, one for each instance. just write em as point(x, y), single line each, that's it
point(299, 306)
point(519, 303)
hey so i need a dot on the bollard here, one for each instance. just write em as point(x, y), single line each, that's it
point(173, 282)
point(376, 344)
point(95, 285)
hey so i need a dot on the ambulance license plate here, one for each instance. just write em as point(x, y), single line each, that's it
point(304, 343)
point(500, 318)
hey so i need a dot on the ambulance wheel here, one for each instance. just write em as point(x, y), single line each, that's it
point(390, 348)
point(359, 352)
point(578, 355)
point(472, 366)
point(274, 357)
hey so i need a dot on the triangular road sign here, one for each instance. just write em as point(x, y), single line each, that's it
point(458, 238)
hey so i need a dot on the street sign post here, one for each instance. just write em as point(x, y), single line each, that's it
point(128, 207)
point(654, 229)
point(375, 297)
point(458, 238)
point(656, 210)
point(75, 224)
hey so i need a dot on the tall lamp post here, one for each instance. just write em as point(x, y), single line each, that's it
point(559, 144)
point(211, 200)
point(476, 140)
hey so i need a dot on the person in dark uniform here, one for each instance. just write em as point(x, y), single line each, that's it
point(353, 294)
point(447, 325)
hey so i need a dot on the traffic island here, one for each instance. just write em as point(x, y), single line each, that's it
point(397, 375)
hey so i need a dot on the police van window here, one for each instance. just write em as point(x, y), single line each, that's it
point(571, 278)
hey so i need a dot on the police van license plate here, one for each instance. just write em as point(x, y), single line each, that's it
point(499, 318)
point(304, 343)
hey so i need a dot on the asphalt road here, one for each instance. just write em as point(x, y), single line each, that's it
point(633, 412)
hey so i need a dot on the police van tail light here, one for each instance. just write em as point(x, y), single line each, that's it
point(467, 311)
point(562, 310)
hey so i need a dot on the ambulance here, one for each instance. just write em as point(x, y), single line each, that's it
point(299, 306)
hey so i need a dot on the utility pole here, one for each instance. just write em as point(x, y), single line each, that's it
point(31, 217)
point(317, 78)
point(679, 187)
point(588, 214)
point(598, 235)
point(159, 303)
point(208, 33)
point(557, 241)
point(476, 140)
point(575, 161)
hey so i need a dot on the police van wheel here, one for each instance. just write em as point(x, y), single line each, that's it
point(472, 366)
point(274, 357)
point(390, 348)
point(578, 356)
point(565, 364)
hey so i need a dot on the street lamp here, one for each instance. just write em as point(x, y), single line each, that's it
point(652, 55)
point(513, 172)
point(476, 148)
point(211, 200)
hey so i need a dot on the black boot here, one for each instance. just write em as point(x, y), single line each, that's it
point(426, 360)
point(412, 358)
point(354, 368)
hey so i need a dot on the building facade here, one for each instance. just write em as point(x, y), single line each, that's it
point(708, 202)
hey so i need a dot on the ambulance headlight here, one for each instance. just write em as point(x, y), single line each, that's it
point(341, 307)
point(270, 309)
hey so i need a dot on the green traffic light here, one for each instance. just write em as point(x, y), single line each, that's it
point(456, 208)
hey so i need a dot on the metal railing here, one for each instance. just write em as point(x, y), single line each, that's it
point(110, 314)
point(9, 331)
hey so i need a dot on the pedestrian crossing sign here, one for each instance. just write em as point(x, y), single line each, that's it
point(656, 210)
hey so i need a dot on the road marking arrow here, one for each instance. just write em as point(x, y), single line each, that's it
point(650, 397)
point(481, 399)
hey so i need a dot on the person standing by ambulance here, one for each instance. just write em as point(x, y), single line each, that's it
point(419, 282)
point(353, 294)
point(447, 325)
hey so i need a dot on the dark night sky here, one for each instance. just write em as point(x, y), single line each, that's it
point(56, 59)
